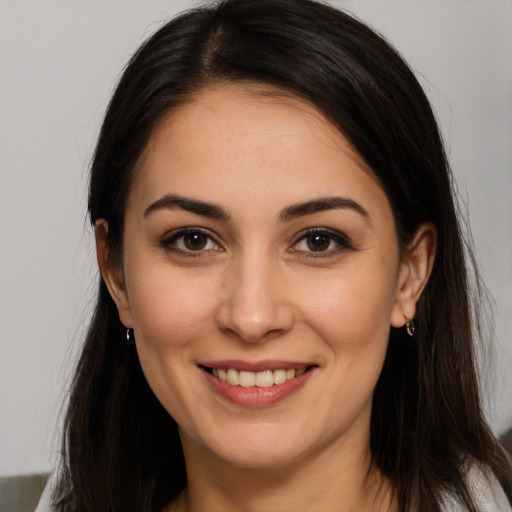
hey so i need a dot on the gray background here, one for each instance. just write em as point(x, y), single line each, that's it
point(58, 63)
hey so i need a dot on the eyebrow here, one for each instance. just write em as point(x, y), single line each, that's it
point(173, 202)
point(320, 205)
point(213, 211)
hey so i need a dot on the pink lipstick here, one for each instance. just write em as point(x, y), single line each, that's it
point(256, 384)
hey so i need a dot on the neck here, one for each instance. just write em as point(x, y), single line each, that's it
point(348, 482)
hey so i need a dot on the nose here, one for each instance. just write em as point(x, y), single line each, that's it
point(254, 305)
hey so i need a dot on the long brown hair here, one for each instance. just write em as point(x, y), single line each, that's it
point(121, 450)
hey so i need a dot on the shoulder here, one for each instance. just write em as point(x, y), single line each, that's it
point(486, 491)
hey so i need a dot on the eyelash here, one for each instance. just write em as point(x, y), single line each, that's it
point(169, 243)
point(342, 243)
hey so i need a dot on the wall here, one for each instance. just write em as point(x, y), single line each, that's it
point(58, 62)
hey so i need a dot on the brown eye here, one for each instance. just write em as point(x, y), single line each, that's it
point(318, 242)
point(195, 241)
point(321, 242)
point(190, 240)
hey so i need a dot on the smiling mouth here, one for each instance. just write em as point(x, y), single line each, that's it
point(263, 379)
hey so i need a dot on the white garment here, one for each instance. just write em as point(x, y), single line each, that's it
point(44, 500)
point(486, 492)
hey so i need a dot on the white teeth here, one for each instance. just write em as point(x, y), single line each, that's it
point(263, 379)
point(279, 376)
point(247, 379)
point(233, 377)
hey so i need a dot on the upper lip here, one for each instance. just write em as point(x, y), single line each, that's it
point(257, 366)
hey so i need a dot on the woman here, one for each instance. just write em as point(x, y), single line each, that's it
point(283, 318)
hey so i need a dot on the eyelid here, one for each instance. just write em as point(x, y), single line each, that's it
point(167, 241)
point(343, 241)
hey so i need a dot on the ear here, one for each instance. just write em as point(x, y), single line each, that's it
point(415, 270)
point(112, 273)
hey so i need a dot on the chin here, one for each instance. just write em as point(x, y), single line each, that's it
point(259, 457)
point(262, 447)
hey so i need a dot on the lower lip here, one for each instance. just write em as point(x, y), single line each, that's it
point(254, 396)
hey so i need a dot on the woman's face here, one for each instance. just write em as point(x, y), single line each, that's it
point(258, 249)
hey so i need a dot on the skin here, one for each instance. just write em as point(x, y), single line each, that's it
point(261, 290)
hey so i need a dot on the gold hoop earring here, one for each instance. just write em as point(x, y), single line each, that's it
point(410, 327)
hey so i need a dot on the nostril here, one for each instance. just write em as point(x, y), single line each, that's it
point(254, 317)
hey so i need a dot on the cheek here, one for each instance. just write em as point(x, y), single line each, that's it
point(172, 316)
point(352, 310)
point(170, 308)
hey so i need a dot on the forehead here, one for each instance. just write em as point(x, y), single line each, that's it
point(234, 104)
point(259, 137)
